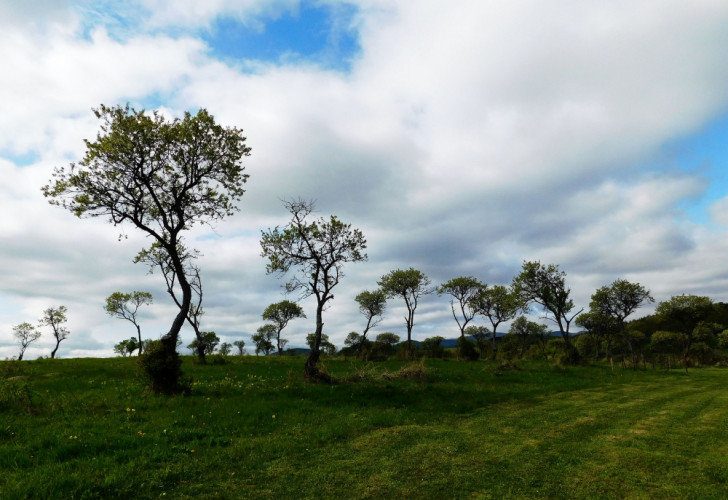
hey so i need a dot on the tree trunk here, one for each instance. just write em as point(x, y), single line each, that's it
point(139, 333)
point(53, 354)
point(310, 371)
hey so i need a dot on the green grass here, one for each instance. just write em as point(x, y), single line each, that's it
point(86, 428)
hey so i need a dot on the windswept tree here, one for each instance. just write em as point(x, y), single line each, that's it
point(318, 249)
point(463, 291)
point(161, 176)
point(262, 339)
point(25, 333)
point(240, 344)
point(410, 285)
point(55, 317)
point(546, 286)
point(617, 301)
point(126, 306)
point(280, 314)
point(499, 304)
point(372, 306)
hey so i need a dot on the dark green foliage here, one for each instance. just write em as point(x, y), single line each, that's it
point(466, 349)
point(432, 348)
point(162, 369)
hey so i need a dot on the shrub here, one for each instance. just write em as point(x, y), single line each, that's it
point(162, 369)
point(466, 349)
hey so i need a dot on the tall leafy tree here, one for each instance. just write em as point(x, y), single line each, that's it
point(545, 285)
point(410, 285)
point(126, 306)
point(318, 249)
point(463, 290)
point(499, 304)
point(162, 177)
point(372, 306)
point(280, 314)
point(617, 301)
point(55, 317)
point(25, 333)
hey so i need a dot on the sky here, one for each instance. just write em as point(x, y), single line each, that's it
point(460, 138)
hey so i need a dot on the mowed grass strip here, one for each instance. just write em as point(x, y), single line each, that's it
point(253, 429)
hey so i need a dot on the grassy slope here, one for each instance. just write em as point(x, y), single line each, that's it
point(85, 428)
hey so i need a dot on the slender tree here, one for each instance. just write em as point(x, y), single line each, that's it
point(372, 306)
point(162, 177)
point(280, 314)
point(240, 344)
point(463, 290)
point(318, 249)
point(410, 285)
point(546, 286)
point(26, 334)
point(498, 304)
point(125, 306)
point(55, 317)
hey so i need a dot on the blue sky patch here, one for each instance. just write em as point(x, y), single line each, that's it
point(321, 35)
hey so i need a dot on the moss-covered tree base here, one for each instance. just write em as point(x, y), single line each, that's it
point(161, 366)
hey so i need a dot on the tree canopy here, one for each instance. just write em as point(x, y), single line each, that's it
point(318, 249)
point(161, 176)
point(408, 284)
point(463, 290)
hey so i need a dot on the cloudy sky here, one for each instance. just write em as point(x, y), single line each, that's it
point(461, 138)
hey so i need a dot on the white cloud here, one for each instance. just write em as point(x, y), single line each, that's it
point(464, 140)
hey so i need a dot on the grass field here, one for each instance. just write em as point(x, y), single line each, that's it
point(86, 428)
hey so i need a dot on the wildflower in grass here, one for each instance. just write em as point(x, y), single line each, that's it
point(274, 417)
point(141, 433)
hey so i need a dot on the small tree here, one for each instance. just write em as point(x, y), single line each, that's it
point(126, 347)
point(125, 306)
point(225, 348)
point(410, 285)
point(240, 344)
point(432, 347)
point(385, 343)
point(326, 347)
point(498, 304)
point(208, 341)
point(319, 249)
point(163, 177)
point(619, 300)
point(262, 339)
point(355, 343)
point(546, 286)
point(280, 314)
point(480, 335)
point(372, 306)
point(683, 313)
point(527, 332)
point(55, 317)
point(26, 334)
point(463, 290)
